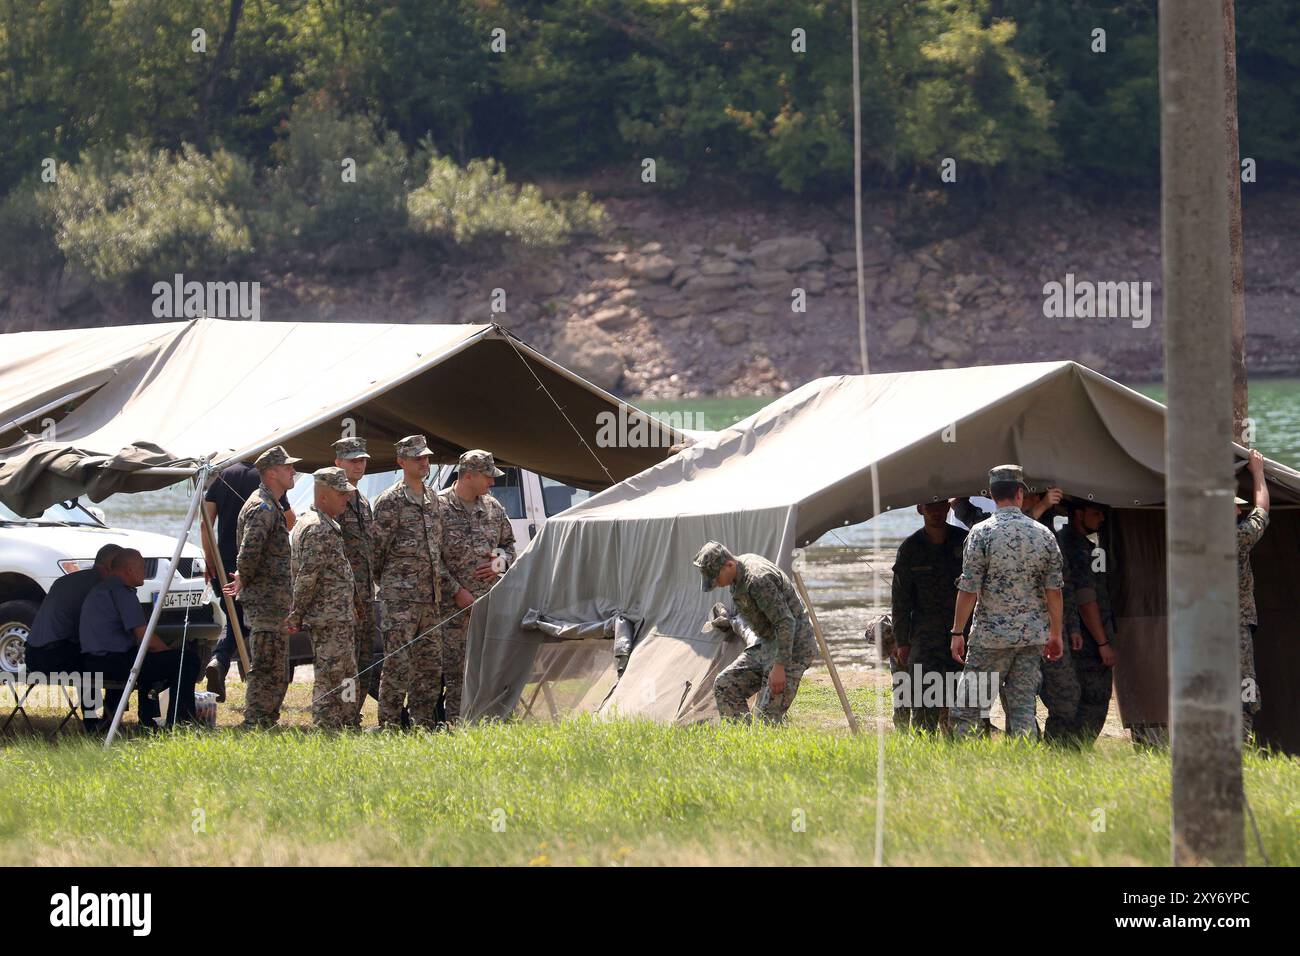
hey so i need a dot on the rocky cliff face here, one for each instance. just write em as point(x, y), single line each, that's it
point(684, 300)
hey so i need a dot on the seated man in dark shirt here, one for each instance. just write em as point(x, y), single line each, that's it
point(112, 626)
point(52, 645)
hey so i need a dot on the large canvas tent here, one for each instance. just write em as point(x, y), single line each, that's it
point(140, 407)
point(803, 465)
point(98, 411)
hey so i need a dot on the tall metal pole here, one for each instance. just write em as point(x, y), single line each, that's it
point(1204, 672)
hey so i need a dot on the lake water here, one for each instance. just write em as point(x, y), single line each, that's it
point(847, 576)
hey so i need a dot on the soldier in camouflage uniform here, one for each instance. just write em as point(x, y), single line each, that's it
point(767, 601)
point(356, 523)
point(1090, 625)
point(924, 595)
point(478, 545)
point(407, 540)
point(1060, 687)
point(1011, 578)
point(324, 601)
point(1250, 528)
point(263, 585)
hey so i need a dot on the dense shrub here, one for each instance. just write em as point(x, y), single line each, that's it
point(27, 229)
point(476, 203)
point(136, 212)
point(311, 203)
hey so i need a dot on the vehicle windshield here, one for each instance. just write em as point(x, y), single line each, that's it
point(63, 513)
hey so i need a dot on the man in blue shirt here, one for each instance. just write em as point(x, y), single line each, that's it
point(112, 626)
point(52, 645)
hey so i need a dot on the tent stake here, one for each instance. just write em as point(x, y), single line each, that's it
point(201, 479)
point(826, 652)
point(227, 600)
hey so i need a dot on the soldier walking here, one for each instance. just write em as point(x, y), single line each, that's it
point(407, 539)
point(1011, 578)
point(357, 524)
point(767, 601)
point(478, 545)
point(324, 601)
point(924, 595)
point(1250, 528)
point(1091, 626)
point(263, 584)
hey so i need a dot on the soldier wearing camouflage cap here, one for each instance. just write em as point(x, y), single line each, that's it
point(357, 524)
point(275, 455)
point(478, 546)
point(413, 586)
point(783, 647)
point(1011, 579)
point(263, 584)
point(324, 601)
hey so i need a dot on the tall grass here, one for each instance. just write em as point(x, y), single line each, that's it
point(589, 792)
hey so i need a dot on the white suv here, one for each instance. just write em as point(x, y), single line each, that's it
point(35, 552)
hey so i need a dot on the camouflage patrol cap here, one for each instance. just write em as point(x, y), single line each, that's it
point(1007, 473)
point(413, 446)
point(275, 455)
point(476, 459)
point(710, 560)
point(333, 477)
point(345, 449)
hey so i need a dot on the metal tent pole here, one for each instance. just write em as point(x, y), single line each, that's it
point(201, 477)
point(826, 653)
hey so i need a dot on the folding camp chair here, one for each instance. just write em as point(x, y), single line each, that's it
point(19, 704)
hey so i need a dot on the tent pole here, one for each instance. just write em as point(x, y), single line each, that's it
point(826, 652)
point(201, 478)
point(227, 601)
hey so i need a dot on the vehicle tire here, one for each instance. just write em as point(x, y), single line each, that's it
point(15, 623)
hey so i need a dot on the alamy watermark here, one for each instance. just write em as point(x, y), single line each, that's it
point(630, 428)
point(49, 690)
point(1085, 299)
point(179, 299)
point(917, 688)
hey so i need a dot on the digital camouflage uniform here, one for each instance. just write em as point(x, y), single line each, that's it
point(324, 604)
point(924, 595)
point(1009, 561)
point(1059, 686)
point(266, 583)
point(470, 534)
point(1094, 679)
point(407, 541)
point(1249, 530)
point(356, 524)
point(767, 601)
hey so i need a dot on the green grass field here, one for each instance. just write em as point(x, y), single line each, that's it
point(587, 792)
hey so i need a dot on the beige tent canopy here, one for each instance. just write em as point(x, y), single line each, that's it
point(133, 408)
point(801, 466)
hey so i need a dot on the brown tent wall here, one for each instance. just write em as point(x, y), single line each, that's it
point(1138, 567)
